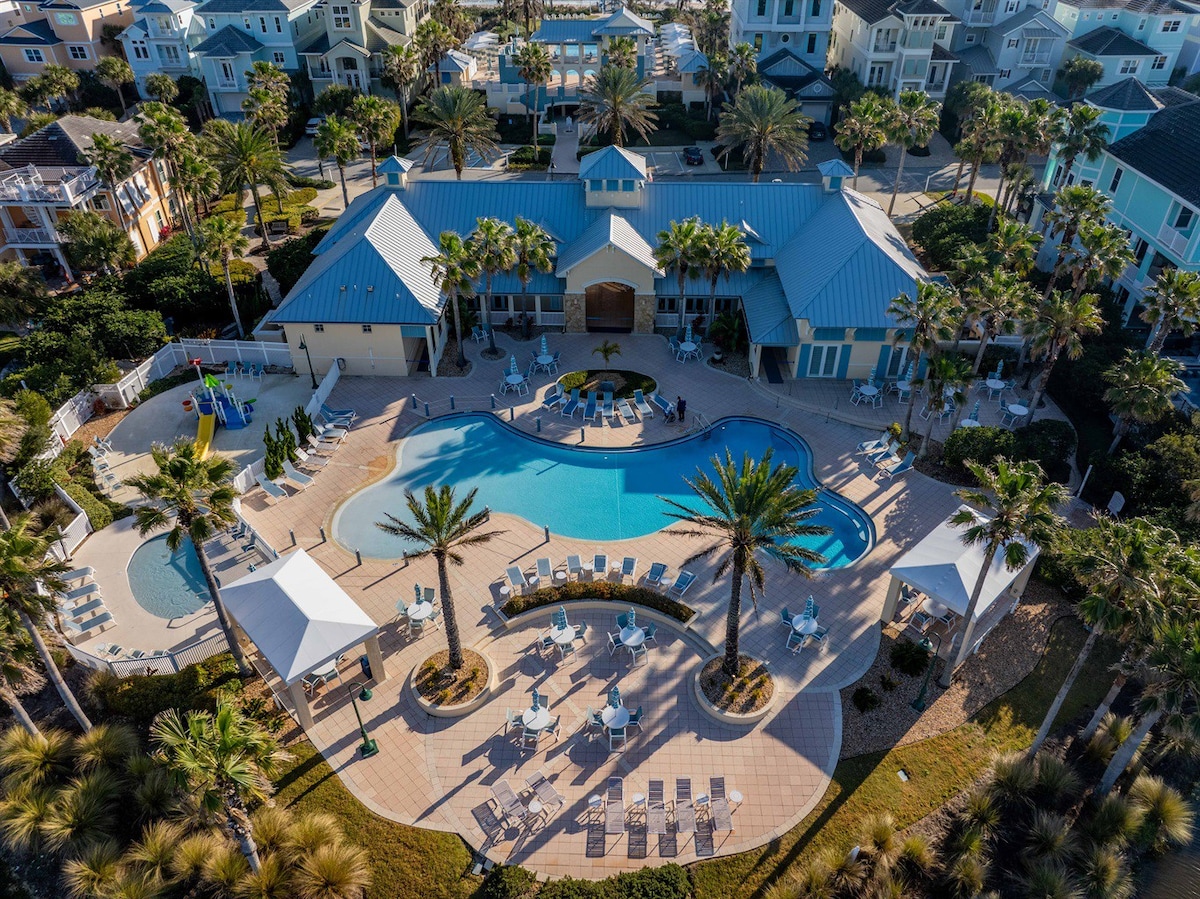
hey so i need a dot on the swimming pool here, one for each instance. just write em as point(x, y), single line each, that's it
point(166, 584)
point(576, 492)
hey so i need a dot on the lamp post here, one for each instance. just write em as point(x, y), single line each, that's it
point(369, 747)
point(312, 374)
point(919, 702)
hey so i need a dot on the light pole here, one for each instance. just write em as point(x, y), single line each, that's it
point(312, 374)
point(919, 702)
point(369, 747)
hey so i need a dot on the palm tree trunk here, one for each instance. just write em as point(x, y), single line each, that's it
point(996, 202)
point(1114, 691)
point(262, 224)
point(453, 640)
point(1119, 433)
point(403, 98)
point(374, 175)
point(1159, 337)
point(18, 710)
point(239, 824)
point(912, 401)
point(983, 339)
point(4, 522)
point(214, 590)
point(121, 97)
point(458, 335)
point(733, 619)
point(969, 617)
point(345, 193)
point(1124, 754)
point(53, 673)
point(899, 174)
point(971, 183)
point(237, 318)
point(1043, 380)
point(1061, 696)
point(933, 414)
point(962, 164)
point(858, 155)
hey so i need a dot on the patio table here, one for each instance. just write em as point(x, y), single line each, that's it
point(868, 390)
point(904, 386)
point(536, 719)
point(932, 607)
point(514, 380)
point(615, 718)
point(562, 635)
point(802, 625)
point(633, 636)
point(994, 386)
point(544, 360)
point(420, 611)
point(687, 347)
point(969, 423)
point(1018, 410)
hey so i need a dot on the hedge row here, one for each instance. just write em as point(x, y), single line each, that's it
point(98, 514)
point(513, 882)
point(195, 687)
point(608, 591)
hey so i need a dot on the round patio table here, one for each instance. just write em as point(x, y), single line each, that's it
point(868, 391)
point(994, 386)
point(633, 636)
point(420, 611)
point(932, 607)
point(969, 423)
point(544, 360)
point(536, 720)
point(687, 347)
point(562, 635)
point(804, 626)
point(615, 718)
point(1018, 410)
point(514, 380)
point(904, 386)
point(560, 576)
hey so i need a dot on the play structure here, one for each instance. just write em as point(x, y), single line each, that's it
point(216, 404)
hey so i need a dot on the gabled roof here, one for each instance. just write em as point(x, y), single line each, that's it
point(354, 46)
point(32, 34)
point(1142, 7)
point(229, 41)
point(843, 260)
point(373, 274)
point(165, 7)
point(457, 61)
point(610, 230)
point(979, 60)
point(786, 70)
point(690, 62)
point(1165, 150)
point(613, 162)
point(241, 6)
point(64, 142)
point(1108, 41)
point(1030, 88)
point(768, 317)
point(872, 11)
point(941, 54)
point(1128, 94)
point(579, 31)
point(394, 164)
point(835, 168)
point(624, 22)
point(380, 36)
point(1030, 15)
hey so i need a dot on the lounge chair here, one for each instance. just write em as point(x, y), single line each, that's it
point(606, 404)
point(324, 447)
point(656, 809)
point(545, 572)
point(298, 478)
point(333, 414)
point(644, 409)
point(589, 411)
point(544, 790)
point(599, 566)
point(870, 446)
point(626, 411)
point(902, 467)
point(614, 806)
point(883, 453)
point(510, 806)
point(569, 406)
point(311, 460)
point(629, 568)
point(666, 405)
point(84, 608)
point(516, 577)
point(273, 490)
point(655, 575)
point(685, 812)
point(553, 396)
point(78, 574)
point(681, 585)
point(718, 806)
point(86, 627)
point(574, 566)
point(79, 592)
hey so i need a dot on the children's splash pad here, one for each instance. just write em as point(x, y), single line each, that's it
point(217, 403)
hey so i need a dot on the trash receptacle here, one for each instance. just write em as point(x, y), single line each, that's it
point(366, 667)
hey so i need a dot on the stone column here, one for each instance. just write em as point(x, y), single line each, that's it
point(645, 306)
point(575, 313)
point(300, 701)
point(375, 657)
point(889, 604)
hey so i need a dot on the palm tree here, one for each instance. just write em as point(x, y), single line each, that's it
point(1166, 817)
point(614, 101)
point(712, 78)
point(434, 40)
point(1022, 126)
point(493, 245)
point(530, 10)
point(723, 250)
point(1143, 387)
point(1173, 303)
point(1085, 136)
point(1102, 252)
point(269, 91)
point(913, 120)
point(197, 178)
point(113, 162)
point(534, 66)
point(25, 563)
point(680, 246)
point(22, 292)
point(93, 243)
point(981, 140)
point(454, 270)
point(995, 303)
point(162, 88)
point(1018, 510)
point(17, 656)
point(166, 133)
point(1074, 205)
point(1059, 325)
point(1124, 567)
point(861, 128)
point(743, 65)
point(221, 239)
point(224, 761)
point(459, 118)
point(932, 316)
point(377, 119)
point(535, 253)
point(402, 67)
point(1079, 73)
point(762, 122)
point(620, 51)
point(115, 72)
point(607, 349)
point(751, 510)
point(946, 378)
point(441, 527)
point(11, 107)
point(337, 138)
point(194, 498)
point(246, 154)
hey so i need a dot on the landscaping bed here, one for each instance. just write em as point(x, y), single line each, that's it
point(624, 382)
point(750, 691)
point(598, 590)
point(437, 683)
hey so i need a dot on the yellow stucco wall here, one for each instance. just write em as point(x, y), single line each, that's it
point(382, 352)
point(610, 264)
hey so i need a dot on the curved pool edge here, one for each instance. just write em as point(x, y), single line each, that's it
point(133, 593)
point(829, 494)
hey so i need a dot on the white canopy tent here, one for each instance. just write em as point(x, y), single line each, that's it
point(945, 569)
point(300, 619)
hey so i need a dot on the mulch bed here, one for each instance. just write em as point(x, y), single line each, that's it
point(750, 692)
point(439, 684)
point(448, 364)
point(732, 363)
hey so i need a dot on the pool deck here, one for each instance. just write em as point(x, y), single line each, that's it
point(437, 772)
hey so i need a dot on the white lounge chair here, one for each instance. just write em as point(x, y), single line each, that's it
point(338, 414)
point(574, 566)
point(311, 460)
point(325, 447)
point(871, 446)
point(273, 490)
point(554, 396)
point(79, 592)
point(626, 411)
point(298, 478)
point(902, 467)
point(78, 574)
point(606, 404)
point(545, 572)
point(516, 577)
point(680, 586)
point(86, 627)
point(644, 409)
point(666, 405)
point(83, 609)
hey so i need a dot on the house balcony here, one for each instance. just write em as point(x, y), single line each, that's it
point(25, 185)
point(1036, 59)
point(884, 47)
point(227, 85)
point(31, 237)
point(973, 18)
point(1174, 241)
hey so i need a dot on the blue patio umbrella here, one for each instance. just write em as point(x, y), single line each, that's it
point(689, 334)
point(975, 412)
point(512, 367)
point(417, 590)
point(545, 348)
point(614, 697)
point(912, 367)
point(537, 700)
point(999, 368)
point(632, 617)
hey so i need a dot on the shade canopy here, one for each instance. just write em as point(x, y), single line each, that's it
point(942, 567)
point(297, 615)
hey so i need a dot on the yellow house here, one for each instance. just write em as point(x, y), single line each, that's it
point(45, 177)
point(64, 32)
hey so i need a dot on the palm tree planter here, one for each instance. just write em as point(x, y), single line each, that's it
point(744, 701)
point(444, 693)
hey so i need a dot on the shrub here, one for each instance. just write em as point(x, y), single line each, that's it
point(667, 882)
point(240, 272)
point(302, 197)
point(305, 181)
point(909, 658)
point(36, 480)
point(97, 512)
point(977, 445)
point(1050, 443)
point(288, 262)
point(865, 699)
point(195, 687)
point(523, 158)
point(946, 230)
point(607, 591)
point(507, 882)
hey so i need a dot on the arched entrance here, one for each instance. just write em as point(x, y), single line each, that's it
point(609, 307)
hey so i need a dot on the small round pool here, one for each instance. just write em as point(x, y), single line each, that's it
point(167, 584)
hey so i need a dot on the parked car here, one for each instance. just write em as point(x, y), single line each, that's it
point(817, 131)
point(310, 129)
point(693, 156)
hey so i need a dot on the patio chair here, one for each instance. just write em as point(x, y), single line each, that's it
point(718, 806)
point(327, 431)
point(574, 566)
point(902, 467)
point(644, 409)
point(84, 608)
point(600, 566)
point(581, 631)
point(616, 735)
point(553, 366)
point(921, 620)
point(334, 414)
point(819, 635)
point(786, 615)
point(665, 405)
point(516, 577)
point(594, 721)
point(324, 447)
point(885, 452)
point(401, 611)
point(614, 806)
point(86, 627)
point(870, 446)
point(311, 460)
point(530, 738)
point(639, 650)
point(685, 812)
point(629, 568)
point(292, 476)
point(1007, 416)
point(553, 396)
point(680, 587)
point(80, 592)
point(950, 619)
point(545, 572)
point(673, 344)
point(626, 412)
point(589, 411)
point(78, 574)
point(606, 404)
point(544, 790)
point(856, 396)
point(434, 619)
point(478, 334)
point(523, 386)
point(655, 575)
point(566, 649)
point(795, 641)
point(256, 371)
point(510, 806)
point(614, 643)
point(651, 631)
point(635, 718)
point(903, 397)
point(232, 368)
point(623, 620)
point(110, 651)
point(273, 490)
point(656, 810)
point(429, 595)
point(570, 405)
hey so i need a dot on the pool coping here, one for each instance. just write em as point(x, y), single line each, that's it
point(162, 535)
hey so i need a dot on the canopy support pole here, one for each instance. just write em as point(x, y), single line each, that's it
point(300, 701)
point(375, 657)
point(889, 604)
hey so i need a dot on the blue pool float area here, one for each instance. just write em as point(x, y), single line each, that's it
point(578, 492)
point(167, 584)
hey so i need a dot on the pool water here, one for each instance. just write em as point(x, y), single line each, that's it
point(581, 493)
point(166, 584)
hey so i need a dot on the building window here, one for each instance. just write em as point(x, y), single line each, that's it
point(366, 329)
point(212, 24)
point(158, 220)
point(280, 57)
point(627, 185)
point(319, 328)
point(1129, 66)
point(227, 72)
point(246, 22)
point(789, 7)
point(812, 43)
point(595, 184)
point(169, 55)
point(1142, 24)
point(140, 50)
point(278, 26)
point(1184, 219)
point(1160, 63)
point(612, 184)
point(341, 18)
point(100, 203)
point(940, 34)
point(262, 24)
point(1171, 25)
point(816, 8)
point(1139, 250)
point(1116, 180)
point(1005, 73)
point(1013, 42)
point(667, 305)
point(786, 38)
point(552, 303)
point(65, 18)
point(34, 55)
point(762, 7)
point(970, 38)
point(77, 51)
point(758, 39)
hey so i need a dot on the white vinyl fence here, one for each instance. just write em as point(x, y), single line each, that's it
point(168, 663)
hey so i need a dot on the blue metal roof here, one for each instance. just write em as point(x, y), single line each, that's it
point(608, 230)
point(613, 162)
point(229, 41)
point(566, 31)
point(768, 317)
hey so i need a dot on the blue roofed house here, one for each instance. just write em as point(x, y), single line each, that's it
point(826, 262)
point(163, 38)
point(348, 48)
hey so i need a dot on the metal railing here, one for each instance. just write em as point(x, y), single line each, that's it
point(31, 236)
point(1174, 240)
point(167, 663)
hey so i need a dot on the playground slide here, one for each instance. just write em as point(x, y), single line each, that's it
point(204, 435)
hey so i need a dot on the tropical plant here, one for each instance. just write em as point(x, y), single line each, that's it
point(268, 93)
point(534, 66)
point(727, 332)
point(402, 68)
point(535, 253)
point(713, 77)
point(165, 132)
point(1013, 246)
point(1079, 73)
point(17, 656)
point(433, 41)
point(1086, 135)
point(161, 87)
point(1102, 251)
point(995, 304)
point(1023, 128)
point(911, 123)
point(1166, 817)
point(1058, 327)
point(221, 239)
point(752, 510)
point(113, 162)
point(93, 243)
point(224, 761)
point(862, 128)
point(193, 497)
point(245, 154)
point(493, 244)
point(614, 101)
point(22, 292)
point(441, 527)
point(1074, 206)
point(454, 270)
point(762, 122)
point(1143, 386)
point(1173, 303)
point(377, 119)
point(1017, 509)
point(55, 82)
point(607, 349)
point(681, 247)
point(620, 51)
point(116, 73)
point(932, 316)
point(11, 107)
point(530, 10)
point(197, 178)
point(722, 250)
point(946, 380)
point(743, 65)
point(981, 139)
point(338, 138)
point(459, 118)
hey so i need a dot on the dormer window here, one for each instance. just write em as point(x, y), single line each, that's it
point(341, 18)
